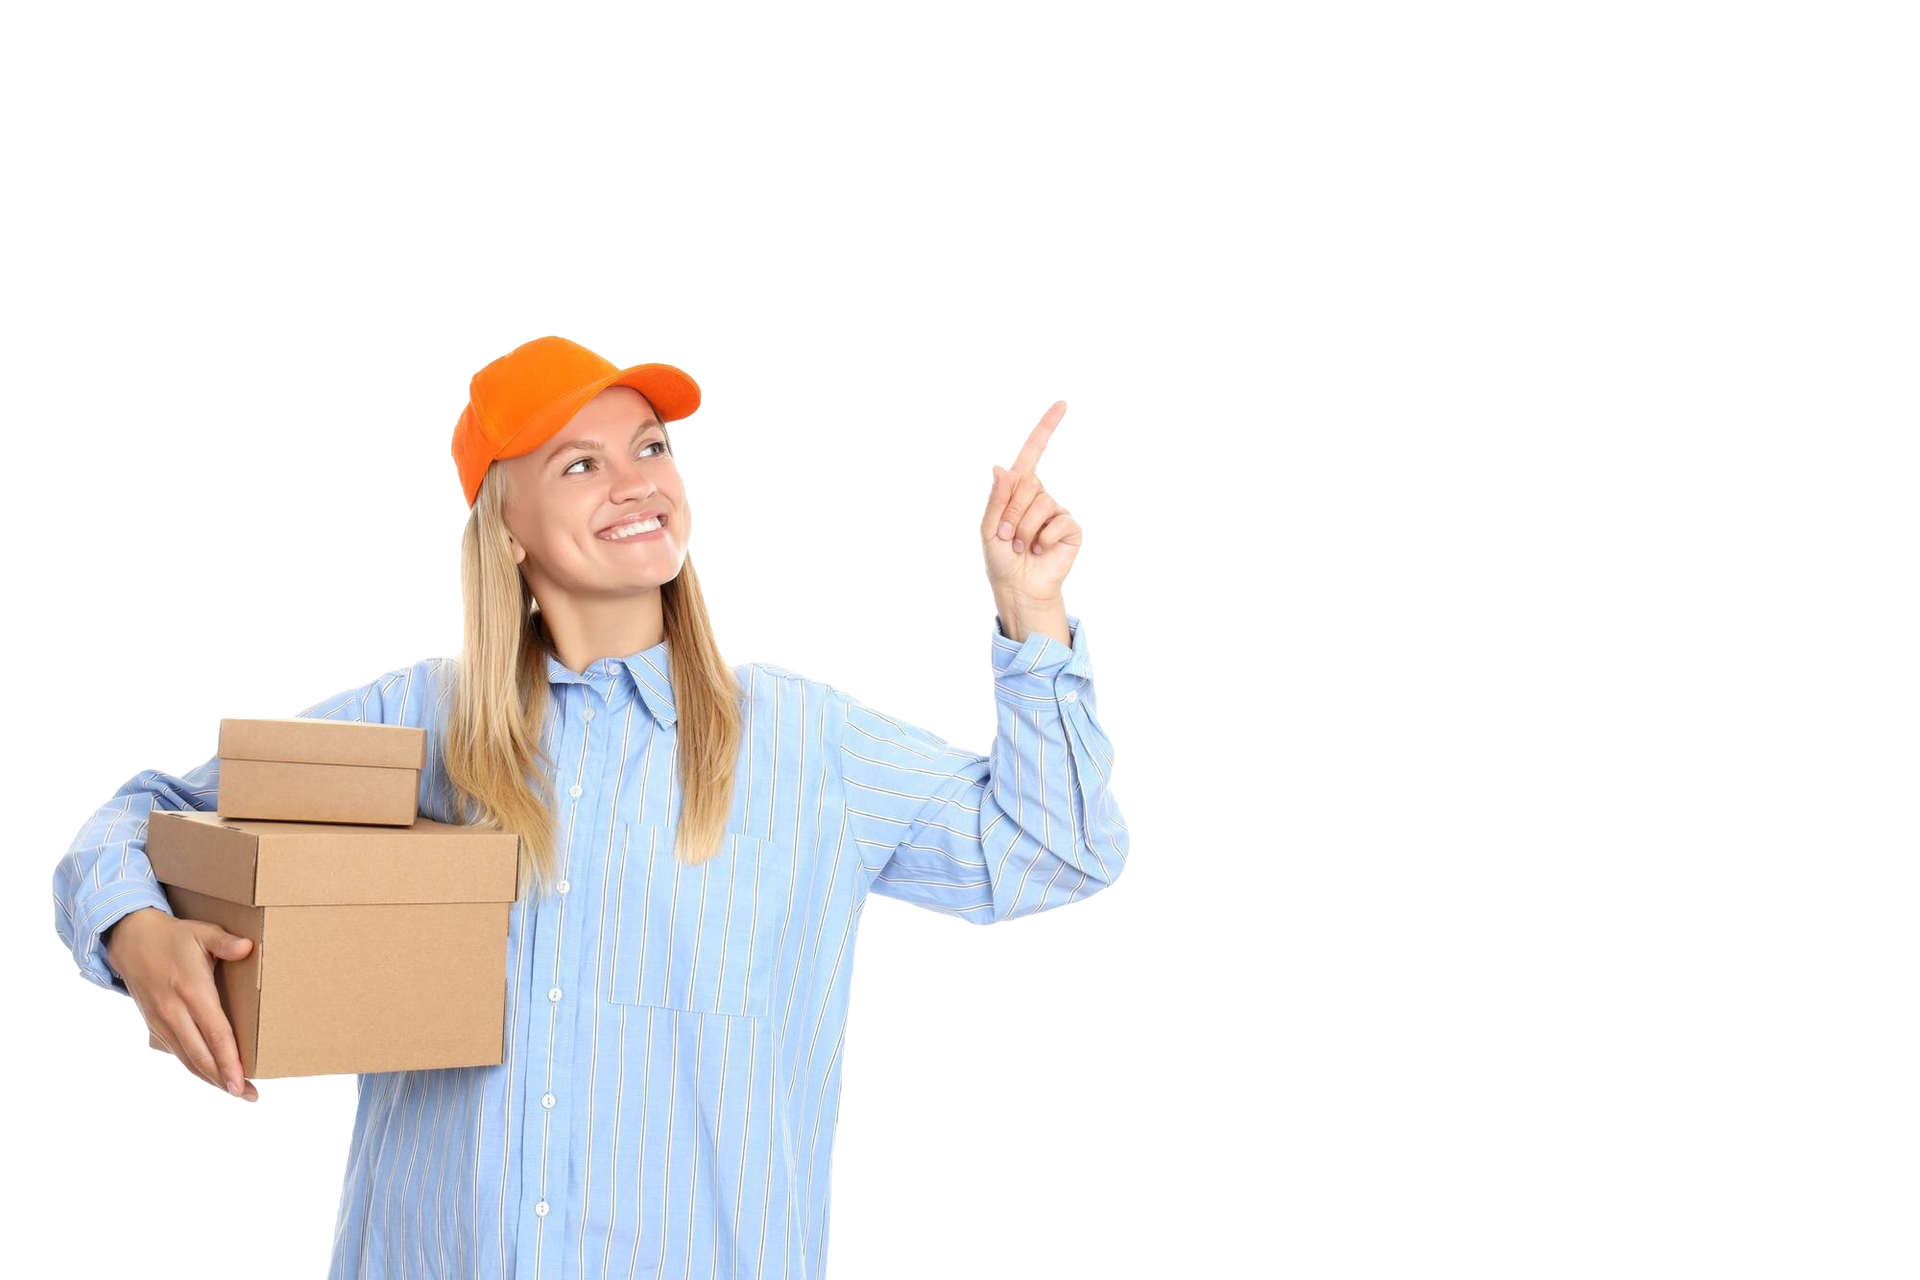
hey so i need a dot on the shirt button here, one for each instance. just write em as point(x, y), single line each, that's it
point(541, 1208)
point(1069, 696)
point(574, 790)
point(553, 993)
point(589, 713)
point(563, 886)
point(546, 1100)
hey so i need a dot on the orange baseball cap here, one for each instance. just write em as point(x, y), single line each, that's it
point(515, 404)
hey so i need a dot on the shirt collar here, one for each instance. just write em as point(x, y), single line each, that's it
point(648, 671)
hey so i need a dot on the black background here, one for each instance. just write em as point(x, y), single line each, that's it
point(258, 511)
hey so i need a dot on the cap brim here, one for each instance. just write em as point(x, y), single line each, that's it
point(671, 392)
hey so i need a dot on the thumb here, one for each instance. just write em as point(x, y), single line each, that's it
point(224, 945)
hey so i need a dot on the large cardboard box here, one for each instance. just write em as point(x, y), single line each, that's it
point(303, 770)
point(375, 948)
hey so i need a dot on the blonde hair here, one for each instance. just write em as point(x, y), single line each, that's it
point(493, 744)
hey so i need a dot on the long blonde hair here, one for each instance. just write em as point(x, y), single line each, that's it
point(492, 747)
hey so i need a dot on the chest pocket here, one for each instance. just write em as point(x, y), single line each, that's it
point(703, 939)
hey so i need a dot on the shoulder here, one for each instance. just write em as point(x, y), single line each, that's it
point(439, 673)
point(770, 683)
point(752, 674)
point(434, 675)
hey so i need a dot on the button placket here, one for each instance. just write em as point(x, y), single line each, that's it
point(539, 1151)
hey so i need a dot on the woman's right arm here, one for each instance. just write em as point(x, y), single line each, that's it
point(104, 876)
point(114, 917)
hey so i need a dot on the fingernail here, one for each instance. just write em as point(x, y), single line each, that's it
point(1006, 529)
point(233, 1088)
point(1016, 544)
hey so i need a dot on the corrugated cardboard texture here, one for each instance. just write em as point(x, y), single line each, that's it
point(303, 770)
point(375, 948)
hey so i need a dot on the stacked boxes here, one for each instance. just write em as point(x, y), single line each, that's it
point(379, 936)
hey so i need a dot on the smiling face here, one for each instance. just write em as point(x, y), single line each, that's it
point(608, 465)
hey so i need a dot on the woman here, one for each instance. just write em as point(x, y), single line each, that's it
point(698, 842)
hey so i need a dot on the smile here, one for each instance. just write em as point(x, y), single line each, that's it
point(637, 529)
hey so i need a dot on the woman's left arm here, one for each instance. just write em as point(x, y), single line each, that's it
point(1028, 827)
point(1032, 825)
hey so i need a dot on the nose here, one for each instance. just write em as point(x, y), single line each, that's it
point(629, 480)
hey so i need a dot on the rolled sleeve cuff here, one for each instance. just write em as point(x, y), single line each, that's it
point(1040, 669)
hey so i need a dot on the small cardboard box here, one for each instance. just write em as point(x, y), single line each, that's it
point(304, 770)
point(374, 948)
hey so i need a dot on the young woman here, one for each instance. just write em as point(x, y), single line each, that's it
point(698, 843)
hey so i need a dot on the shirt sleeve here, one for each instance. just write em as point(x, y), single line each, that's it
point(104, 874)
point(1030, 826)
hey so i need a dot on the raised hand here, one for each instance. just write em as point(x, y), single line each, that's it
point(1030, 540)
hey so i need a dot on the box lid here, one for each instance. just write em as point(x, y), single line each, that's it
point(304, 741)
point(264, 863)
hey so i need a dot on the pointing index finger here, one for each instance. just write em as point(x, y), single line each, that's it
point(1037, 438)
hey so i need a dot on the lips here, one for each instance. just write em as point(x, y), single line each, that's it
point(637, 518)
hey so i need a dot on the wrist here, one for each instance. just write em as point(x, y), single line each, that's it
point(1023, 615)
point(140, 919)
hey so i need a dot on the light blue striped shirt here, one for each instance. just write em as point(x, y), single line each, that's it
point(671, 1078)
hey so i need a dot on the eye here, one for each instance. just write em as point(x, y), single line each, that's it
point(654, 444)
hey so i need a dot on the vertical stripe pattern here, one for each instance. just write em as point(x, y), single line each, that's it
point(666, 1103)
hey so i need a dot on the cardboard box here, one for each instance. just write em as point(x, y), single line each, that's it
point(321, 771)
point(375, 948)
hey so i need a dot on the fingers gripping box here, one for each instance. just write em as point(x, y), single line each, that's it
point(374, 948)
point(303, 770)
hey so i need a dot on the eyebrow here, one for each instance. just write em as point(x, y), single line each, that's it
point(639, 431)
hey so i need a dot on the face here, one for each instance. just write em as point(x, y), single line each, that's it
point(609, 464)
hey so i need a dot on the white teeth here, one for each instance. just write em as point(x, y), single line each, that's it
point(629, 530)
